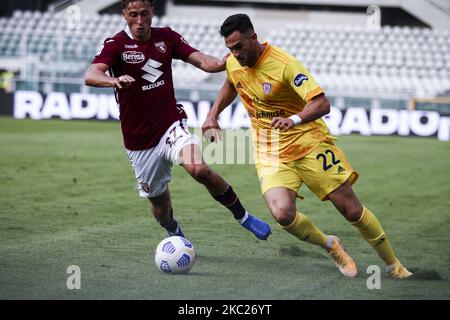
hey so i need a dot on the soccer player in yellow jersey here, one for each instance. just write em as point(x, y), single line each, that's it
point(292, 143)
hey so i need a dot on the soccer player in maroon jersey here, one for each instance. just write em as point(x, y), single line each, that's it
point(139, 61)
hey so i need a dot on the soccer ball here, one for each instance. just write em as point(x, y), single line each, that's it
point(175, 255)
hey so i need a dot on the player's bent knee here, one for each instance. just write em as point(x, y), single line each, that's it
point(284, 215)
point(200, 173)
point(285, 220)
point(353, 214)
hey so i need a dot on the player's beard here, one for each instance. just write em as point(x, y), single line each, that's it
point(250, 59)
point(242, 62)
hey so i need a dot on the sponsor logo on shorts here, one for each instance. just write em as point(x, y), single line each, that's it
point(299, 79)
point(174, 136)
point(340, 169)
point(133, 57)
point(145, 187)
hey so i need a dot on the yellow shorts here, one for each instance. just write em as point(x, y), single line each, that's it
point(323, 170)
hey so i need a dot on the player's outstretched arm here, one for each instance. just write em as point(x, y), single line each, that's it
point(316, 108)
point(95, 77)
point(211, 127)
point(206, 62)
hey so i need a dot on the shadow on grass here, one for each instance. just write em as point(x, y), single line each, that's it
point(294, 251)
point(425, 275)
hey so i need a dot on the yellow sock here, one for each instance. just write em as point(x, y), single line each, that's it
point(373, 232)
point(304, 229)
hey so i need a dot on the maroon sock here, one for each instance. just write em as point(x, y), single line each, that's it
point(231, 201)
point(172, 225)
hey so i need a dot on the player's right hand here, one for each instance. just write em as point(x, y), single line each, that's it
point(211, 130)
point(283, 124)
point(123, 82)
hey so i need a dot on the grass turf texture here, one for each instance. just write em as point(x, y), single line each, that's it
point(67, 197)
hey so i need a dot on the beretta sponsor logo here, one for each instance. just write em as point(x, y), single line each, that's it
point(133, 57)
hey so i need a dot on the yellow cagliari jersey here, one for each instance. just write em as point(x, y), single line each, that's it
point(278, 85)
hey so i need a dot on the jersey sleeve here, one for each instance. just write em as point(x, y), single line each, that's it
point(182, 49)
point(301, 81)
point(108, 54)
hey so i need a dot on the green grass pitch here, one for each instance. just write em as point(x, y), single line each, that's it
point(67, 197)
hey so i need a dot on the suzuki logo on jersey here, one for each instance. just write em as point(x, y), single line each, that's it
point(299, 79)
point(133, 57)
point(152, 73)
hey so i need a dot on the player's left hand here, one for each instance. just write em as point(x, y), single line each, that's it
point(211, 130)
point(125, 81)
point(223, 62)
point(283, 124)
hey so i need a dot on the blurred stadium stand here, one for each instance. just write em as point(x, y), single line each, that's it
point(7, 7)
point(392, 59)
point(51, 49)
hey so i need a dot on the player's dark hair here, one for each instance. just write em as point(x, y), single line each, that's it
point(238, 22)
point(125, 3)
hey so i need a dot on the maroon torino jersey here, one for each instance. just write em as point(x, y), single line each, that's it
point(148, 106)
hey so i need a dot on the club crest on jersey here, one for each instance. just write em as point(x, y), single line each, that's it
point(161, 46)
point(133, 57)
point(267, 87)
point(299, 79)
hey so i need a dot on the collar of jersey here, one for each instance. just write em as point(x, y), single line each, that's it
point(129, 34)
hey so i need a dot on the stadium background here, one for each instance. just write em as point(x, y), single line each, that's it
point(384, 64)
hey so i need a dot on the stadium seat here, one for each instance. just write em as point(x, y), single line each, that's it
point(344, 57)
point(405, 52)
